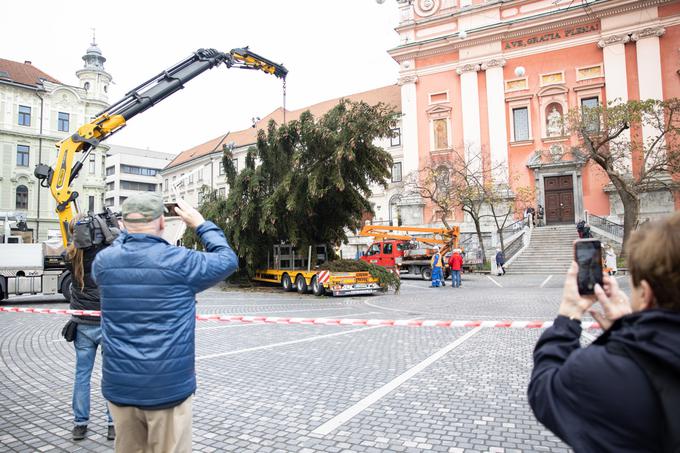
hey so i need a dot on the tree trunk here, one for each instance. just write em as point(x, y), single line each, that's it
point(478, 228)
point(631, 208)
point(631, 211)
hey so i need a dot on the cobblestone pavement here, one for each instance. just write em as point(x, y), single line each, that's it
point(298, 388)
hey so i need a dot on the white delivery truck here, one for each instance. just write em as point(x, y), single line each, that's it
point(30, 269)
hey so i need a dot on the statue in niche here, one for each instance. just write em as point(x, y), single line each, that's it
point(555, 125)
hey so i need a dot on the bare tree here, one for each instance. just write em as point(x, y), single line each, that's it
point(637, 143)
point(451, 181)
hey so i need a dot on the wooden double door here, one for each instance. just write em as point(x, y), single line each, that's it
point(559, 199)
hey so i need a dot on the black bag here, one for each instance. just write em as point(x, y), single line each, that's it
point(69, 331)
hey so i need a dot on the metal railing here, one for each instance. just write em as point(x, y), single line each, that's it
point(610, 227)
point(514, 227)
point(514, 247)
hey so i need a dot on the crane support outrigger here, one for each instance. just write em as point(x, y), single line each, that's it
point(136, 101)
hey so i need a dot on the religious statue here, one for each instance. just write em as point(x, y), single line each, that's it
point(555, 125)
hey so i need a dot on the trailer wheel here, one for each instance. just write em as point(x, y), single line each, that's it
point(317, 288)
point(301, 284)
point(426, 273)
point(66, 288)
point(286, 283)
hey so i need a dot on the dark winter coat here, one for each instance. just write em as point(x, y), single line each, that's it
point(85, 297)
point(148, 291)
point(598, 400)
point(500, 259)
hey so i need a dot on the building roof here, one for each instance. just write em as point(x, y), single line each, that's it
point(23, 73)
point(120, 149)
point(390, 95)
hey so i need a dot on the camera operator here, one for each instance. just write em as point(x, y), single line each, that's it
point(88, 237)
point(148, 290)
point(622, 393)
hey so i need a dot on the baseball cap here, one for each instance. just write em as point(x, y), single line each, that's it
point(149, 205)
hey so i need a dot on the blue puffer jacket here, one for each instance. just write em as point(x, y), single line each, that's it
point(148, 290)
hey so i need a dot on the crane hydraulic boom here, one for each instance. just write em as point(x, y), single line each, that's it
point(448, 238)
point(136, 101)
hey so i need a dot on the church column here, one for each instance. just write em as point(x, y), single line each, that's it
point(498, 143)
point(616, 80)
point(614, 56)
point(409, 123)
point(470, 103)
point(649, 70)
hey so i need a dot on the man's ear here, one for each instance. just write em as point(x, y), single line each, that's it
point(647, 295)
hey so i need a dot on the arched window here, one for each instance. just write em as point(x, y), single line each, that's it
point(86, 86)
point(22, 197)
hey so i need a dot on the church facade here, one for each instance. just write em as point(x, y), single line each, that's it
point(496, 79)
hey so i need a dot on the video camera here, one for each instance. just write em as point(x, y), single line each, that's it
point(95, 230)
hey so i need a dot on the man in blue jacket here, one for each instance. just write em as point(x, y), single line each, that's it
point(621, 393)
point(148, 296)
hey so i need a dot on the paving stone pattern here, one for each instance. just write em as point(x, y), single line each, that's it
point(271, 399)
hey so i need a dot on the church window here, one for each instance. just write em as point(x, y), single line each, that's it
point(520, 121)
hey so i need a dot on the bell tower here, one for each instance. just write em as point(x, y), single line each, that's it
point(93, 78)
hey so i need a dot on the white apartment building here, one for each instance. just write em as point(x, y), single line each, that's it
point(36, 112)
point(131, 170)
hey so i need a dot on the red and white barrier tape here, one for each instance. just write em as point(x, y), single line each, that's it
point(239, 319)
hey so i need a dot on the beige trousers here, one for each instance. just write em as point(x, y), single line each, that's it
point(159, 431)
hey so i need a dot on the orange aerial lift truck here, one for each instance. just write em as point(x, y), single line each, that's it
point(136, 101)
point(408, 249)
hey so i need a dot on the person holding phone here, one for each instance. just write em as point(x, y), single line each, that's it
point(621, 393)
point(148, 318)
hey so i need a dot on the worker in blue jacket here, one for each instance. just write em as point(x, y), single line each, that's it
point(437, 269)
point(148, 297)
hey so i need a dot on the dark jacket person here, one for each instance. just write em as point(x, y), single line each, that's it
point(148, 296)
point(84, 296)
point(608, 396)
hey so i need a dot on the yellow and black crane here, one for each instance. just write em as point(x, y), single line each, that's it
point(136, 101)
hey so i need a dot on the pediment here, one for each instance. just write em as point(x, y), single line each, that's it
point(439, 109)
point(552, 90)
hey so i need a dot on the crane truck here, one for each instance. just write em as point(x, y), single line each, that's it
point(408, 249)
point(35, 268)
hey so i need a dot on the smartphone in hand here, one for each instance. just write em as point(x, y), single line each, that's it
point(588, 255)
point(170, 209)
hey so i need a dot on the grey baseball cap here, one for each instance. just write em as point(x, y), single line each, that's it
point(148, 204)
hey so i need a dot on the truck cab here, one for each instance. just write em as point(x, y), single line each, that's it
point(388, 253)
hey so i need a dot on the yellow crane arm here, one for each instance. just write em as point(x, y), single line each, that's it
point(136, 101)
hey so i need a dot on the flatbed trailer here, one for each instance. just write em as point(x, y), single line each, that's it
point(289, 272)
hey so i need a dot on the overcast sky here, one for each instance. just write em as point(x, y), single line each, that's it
point(331, 49)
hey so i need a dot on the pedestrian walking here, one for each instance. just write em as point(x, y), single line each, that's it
point(500, 262)
point(456, 265)
point(586, 231)
point(148, 294)
point(610, 259)
point(436, 265)
point(540, 216)
point(579, 228)
point(84, 331)
point(621, 393)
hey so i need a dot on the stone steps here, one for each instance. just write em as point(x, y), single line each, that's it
point(549, 252)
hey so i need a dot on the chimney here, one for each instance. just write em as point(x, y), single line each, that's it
point(27, 62)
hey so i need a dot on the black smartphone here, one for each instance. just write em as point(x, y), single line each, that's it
point(588, 255)
point(170, 209)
